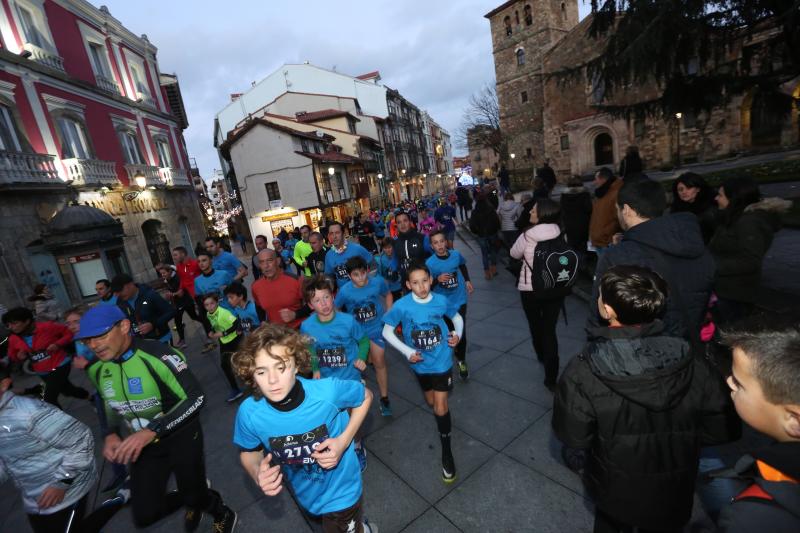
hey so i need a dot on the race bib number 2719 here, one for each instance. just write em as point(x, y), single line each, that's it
point(297, 449)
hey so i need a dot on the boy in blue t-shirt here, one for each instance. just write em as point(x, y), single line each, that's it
point(300, 430)
point(451, 280)
point(245, 311)
point(389, 269)
point(211, 280)
point(424, 318)
point(367, 299)
point(445, 215)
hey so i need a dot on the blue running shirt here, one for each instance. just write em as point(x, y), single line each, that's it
point(390, 271)
point(454, 290)
point(335, 344)
point(248, 317)
point(425, 330)
point(335, 261)
point(323, 411)
point(226, 261)
point(365, 304)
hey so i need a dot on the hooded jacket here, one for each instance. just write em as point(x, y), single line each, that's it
point(643, 406)
point(739, 249)
point(672, 246)
point(410, 246)
point(604, 222)
point(771, 499)
point(508, 212)
point(148, 307)
point(41, 446)
point(525, 247)
point(576, 212)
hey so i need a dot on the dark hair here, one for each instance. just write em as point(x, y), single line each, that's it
point(405, 213)
point(79, 310)
point(355, 263)
point(575, 181)
point(437, 232)
point(119, 281)
point(645, 197)
point(703, 200)
point(104, 281)
point(772, 344)
point(387, 241)
point(605, 173)
point(261, 237)
point(164, 266)
point(741, 191)
point(305, 226)
point(205, 253)
point(336, 223)
point(319, 282)
point(216, 240)
point(417, 265)
point(17, 314)
point(636, 294)
point(213, 295)
point(236, 288)
point(547, 211)
point(180, 249)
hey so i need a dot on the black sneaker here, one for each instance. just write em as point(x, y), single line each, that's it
point(226, 522)
point(448, 468)
point(191, 519)
point(463, 370)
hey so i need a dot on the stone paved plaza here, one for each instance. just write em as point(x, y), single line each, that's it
point(509, 474)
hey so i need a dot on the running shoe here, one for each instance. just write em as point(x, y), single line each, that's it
point(385, 407)
point(448, 469)
point(120, 498)
point(234, 395)
point(208, 347)
point(370, 527)
point(226, 522)
point(463, 370)
point(181, 344)
point(361, 453)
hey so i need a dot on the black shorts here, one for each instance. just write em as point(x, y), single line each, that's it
point(340, 521)
point(438, 382)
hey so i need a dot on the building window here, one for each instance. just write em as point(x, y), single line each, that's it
point(638, 127)
point(9, 140)
point(528, 16)
point(528, 153)
point(317, 148)
point(524, 96)
point(97, 56)
point(565, 142)
point(351, 125)
point(516, 17)
point(520, 53)
point(507, 24)
point(689, 119)
point(164, 158)
point(303, 145)
point(273, 192)
point(142, 92)
point(31, 28)
point(73, 138)
point(563, 11)
point(130, 147)
point(603, 150)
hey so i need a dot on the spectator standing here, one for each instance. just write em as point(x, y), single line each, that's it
point(691, 193)
point(604, 223)
point(464, 200)
point(505, 180)
point(240, 238)
point(747, 226)
point(547, 175)
point(631, 164)
point(485, 224)
point(46, 307)
point(576, 213)
point(509, 211)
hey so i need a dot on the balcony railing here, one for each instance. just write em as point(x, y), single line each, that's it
point(145, 99)
point(45, 57)
point(91, 172)
point(174, 177)
point(149, 172)
point(24, 168)
point(106, 84)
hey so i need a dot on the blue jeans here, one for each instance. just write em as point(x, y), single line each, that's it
point(488, 253)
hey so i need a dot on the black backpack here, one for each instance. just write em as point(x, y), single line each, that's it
point(554, 269)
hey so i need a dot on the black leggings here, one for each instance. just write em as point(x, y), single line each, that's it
point(191, 310)
point(57, 382)
point(542, 318)
point(226, 351)
point(74, 516)
point(461, 347)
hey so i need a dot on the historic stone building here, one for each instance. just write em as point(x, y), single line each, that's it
point(547, 117)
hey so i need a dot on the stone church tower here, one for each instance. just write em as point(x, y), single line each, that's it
point(522, 31)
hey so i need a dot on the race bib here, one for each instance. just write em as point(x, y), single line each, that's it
point(392, 275)
point(366, 312)
point(341, 271)
point(38, 357)
point(332, 357)
point(135, 329)
point(426, 339)
point(407, 263)
point(297, 449)
point(247, 325)
point(451, 283)
point(319, 266)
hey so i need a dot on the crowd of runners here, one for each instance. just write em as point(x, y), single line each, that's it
point(639, 411)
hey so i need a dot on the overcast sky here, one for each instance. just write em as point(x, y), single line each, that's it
point(436, 53)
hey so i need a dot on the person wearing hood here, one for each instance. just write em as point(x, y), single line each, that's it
point(509, 211)
point(485, 224)
point(604, 224)
point(576, 211)
point(691, 193)
point(671, 245)
point(747, 226)
point(763, 384)
point(641, 405)
point(410, 245)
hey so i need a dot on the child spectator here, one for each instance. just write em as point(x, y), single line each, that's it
point(225, 328)
point(642, 406)
point(765, 385)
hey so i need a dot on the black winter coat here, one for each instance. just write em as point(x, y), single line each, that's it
point(484, 221)
point(672, 246)
point(739, 249)
point(765, 504)
point(576, 212)
point(409, 247)
point(150, 307)
point(642, 406)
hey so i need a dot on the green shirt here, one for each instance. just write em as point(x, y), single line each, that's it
point(301, 251)
point(225, 322)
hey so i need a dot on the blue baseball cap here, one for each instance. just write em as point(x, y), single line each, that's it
point(99, 320)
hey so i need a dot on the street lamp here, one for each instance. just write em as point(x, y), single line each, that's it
point(678, 116)
point(140, 180)
point(331, 171)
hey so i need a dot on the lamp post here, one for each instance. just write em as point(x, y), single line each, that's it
point(678, 144)
point(402, 180)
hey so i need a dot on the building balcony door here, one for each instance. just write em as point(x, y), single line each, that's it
point(157, 243)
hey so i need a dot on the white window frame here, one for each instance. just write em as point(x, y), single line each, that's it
point(163, 152)
point(92, 37)
point(36, 9)
point(11, 126)
point(131, 151)
point(74, 112)
point(74, 139)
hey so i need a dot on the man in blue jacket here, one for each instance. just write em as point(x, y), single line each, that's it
point(148, 312)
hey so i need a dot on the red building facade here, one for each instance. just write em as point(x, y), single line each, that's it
point(86, 118)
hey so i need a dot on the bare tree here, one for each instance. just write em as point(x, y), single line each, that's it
point(480, 123)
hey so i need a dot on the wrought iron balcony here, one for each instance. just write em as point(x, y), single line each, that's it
point(25, 168)
point(88, 172)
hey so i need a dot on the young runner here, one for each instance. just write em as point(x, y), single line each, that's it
point(423, 316)
point(451, 280)
point(225, 328)
point(388, 268)
point(445, 216)
point(339, 347)
point(367, 299)
point(427, 224)
point(245, 311)
point(305, 428)
point(210, 280)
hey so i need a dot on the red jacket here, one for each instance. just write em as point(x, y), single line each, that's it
point(187, 271)
point(44, 334)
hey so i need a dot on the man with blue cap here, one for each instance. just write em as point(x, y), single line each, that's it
point(147, 388)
